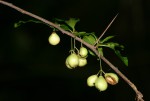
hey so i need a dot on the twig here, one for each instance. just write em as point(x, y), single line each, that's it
point(139, 96)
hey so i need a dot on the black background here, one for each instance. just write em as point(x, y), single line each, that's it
point(33, 70)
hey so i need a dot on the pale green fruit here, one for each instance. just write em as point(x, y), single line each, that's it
point(91, 80)
point(83, 52)
point(54, 39)
point(73, 60)
point(82, 62)
point(67, 64)
point(111, 78)
point(101, 83)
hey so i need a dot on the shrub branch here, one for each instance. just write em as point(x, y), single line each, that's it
point(139, 95)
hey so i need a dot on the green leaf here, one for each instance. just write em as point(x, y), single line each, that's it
point(91, 53)
point(80, 33)
point(100, 50)
point(58, 20)
point(90, 39)
point(72, 22)
point(112, 45)
point(65, 27)
point(124, 59)
point(106, 39)
point(24, 22)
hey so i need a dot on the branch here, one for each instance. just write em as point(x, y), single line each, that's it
point(139, 96)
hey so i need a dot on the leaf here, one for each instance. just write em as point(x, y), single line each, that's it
point(106, 39)
point(58, 20)
point(80, 33)
point(100, 50)
point(91, 53)
point(124, 59)
point(89, 39)
point(112, 45)
point(24, 22)
point(65, 27)
point(72, 22)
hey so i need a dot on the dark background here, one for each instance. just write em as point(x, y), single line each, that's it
point(33, 70)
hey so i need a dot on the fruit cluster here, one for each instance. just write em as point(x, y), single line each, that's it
point(74, 59)
point(101, 82)
point(77, 59)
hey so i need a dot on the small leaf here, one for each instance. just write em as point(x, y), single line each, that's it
point(124, 59)
point(112, 45)
point(89, 39)
point(65, 27)
point(72, 22)
point(80, 33)
point(24, 22)
point(91, 53)
point(58, 20)
point(18, 24)
point(106, 39)
point(100, 50)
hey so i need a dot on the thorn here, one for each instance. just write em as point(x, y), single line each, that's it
point(106, 29)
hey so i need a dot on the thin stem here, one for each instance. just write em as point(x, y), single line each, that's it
point(74, 43)
point(139, 96)
point(100, 65)
point(81, 44)
point(71, 44)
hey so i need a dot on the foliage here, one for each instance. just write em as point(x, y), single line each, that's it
point(91, 38)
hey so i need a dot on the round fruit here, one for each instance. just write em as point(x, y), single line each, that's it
point(82, 62)
point(101, 83)
point(54, 39)
point(83, 52)
point(73, 60)
point(91, 80)
point(111, 78)
point(67, 64)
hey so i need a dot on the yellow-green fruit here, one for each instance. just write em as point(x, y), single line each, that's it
point(91, 80)
point(111, 78)
point(83, 52)
point(101, 83)
point(54, 39)
point(82, 62)
point(67, 64)
point(73, 60)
